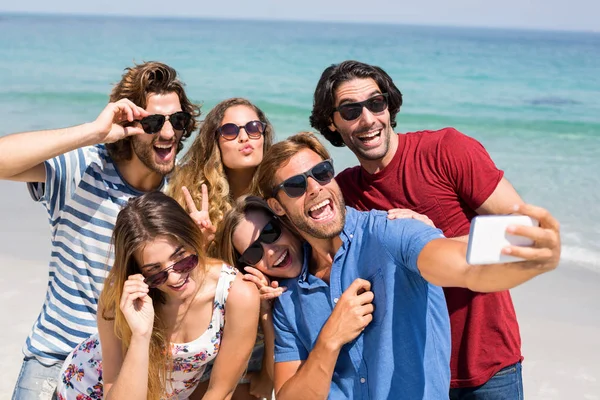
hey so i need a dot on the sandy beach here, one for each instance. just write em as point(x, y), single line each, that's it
point(559, 313)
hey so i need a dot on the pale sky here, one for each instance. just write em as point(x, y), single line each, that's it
point(534, 14)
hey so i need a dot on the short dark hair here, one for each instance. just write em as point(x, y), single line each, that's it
point(332, 78)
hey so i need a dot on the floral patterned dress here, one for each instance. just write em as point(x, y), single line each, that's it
point(81, 374)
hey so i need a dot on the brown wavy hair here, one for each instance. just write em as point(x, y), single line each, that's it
point(202, 163)
point(333, 76)
point(142, 220)
point(136, 84)
point(279, 155)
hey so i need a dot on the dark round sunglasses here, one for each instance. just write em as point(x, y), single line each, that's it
point(351, 111)
point(182, 266)
point(254, 253)
point(296, 185)
point(153, 123)
point(254, 130)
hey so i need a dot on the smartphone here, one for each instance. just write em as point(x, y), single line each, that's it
point(488, 237)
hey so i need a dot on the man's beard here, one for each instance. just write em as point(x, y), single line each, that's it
point(145, 153)
point(370, 154)
point(310, 228)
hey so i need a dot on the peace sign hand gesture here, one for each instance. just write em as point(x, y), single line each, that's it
point(200, 217)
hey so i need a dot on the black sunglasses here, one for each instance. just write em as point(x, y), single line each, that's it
point(268, 235)
point(351, 111)
point(296, 185)
point(254, 130)
point(154, 123)
point(182, 266)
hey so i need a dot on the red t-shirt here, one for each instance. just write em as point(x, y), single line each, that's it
point(446, 176)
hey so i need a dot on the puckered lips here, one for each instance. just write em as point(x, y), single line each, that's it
point(247, 149)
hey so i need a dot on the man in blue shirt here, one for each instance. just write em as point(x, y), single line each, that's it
point(365, 318)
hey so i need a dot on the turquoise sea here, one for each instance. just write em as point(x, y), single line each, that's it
point(531, 97)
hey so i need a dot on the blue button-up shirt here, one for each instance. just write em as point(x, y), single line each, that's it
point(404, 353)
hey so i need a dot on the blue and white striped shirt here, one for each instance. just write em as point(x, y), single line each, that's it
point(83, 194)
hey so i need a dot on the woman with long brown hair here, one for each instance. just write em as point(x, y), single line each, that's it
point(166, 311)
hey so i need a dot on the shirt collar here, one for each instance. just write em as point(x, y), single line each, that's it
point(347, 233)
point(307, 250)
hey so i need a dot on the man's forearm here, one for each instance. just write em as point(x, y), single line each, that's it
point(23, 151)
point(498, 277)
point(313, 379)
point(464, 239)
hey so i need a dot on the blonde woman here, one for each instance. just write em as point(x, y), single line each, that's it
point(224, 157)
point(166, 311)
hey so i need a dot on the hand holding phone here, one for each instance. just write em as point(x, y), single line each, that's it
point(488, 237)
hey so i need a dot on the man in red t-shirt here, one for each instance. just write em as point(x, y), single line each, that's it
point(444, 175)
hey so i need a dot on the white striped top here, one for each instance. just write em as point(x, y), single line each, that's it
point(83, 194)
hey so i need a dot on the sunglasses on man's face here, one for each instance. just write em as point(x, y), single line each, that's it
point(254, 130)
point(154, 123)
point(182, 266)
point(268, 235)
point(296, 185)
point(351, 111)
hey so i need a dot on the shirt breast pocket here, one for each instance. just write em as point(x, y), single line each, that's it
point(379, 297)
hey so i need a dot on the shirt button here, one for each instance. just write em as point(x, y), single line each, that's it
point(351, 236)
point(335, 300)
point(362, 380)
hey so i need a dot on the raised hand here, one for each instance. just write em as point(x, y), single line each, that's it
point(200, 217)
point(137, 306)
point(545, 251)
point(268, 290)
point(397, 213)
point(351, 315)
point(261, 385)
point(109, 123)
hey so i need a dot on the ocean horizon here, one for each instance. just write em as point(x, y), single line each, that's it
point(173, 18)
point(530, 96)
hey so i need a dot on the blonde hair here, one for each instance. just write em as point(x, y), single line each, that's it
point(136, 84)
point(279, 155)
point(202, 163)
point(139, 222)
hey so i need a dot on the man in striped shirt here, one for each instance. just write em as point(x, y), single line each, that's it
point(83, 175)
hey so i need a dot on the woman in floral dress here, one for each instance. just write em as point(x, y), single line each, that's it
point(161, 315)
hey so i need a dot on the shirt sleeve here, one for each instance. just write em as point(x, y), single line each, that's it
point(405, 238)
point(63, 176)
point(468, 167)
point(288, 346)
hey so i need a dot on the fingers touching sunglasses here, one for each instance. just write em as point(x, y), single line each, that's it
point(182, 266)
point(154, 123)
point(351, 111)
point(296, 185)
point(254, 130)
point(268, 235)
